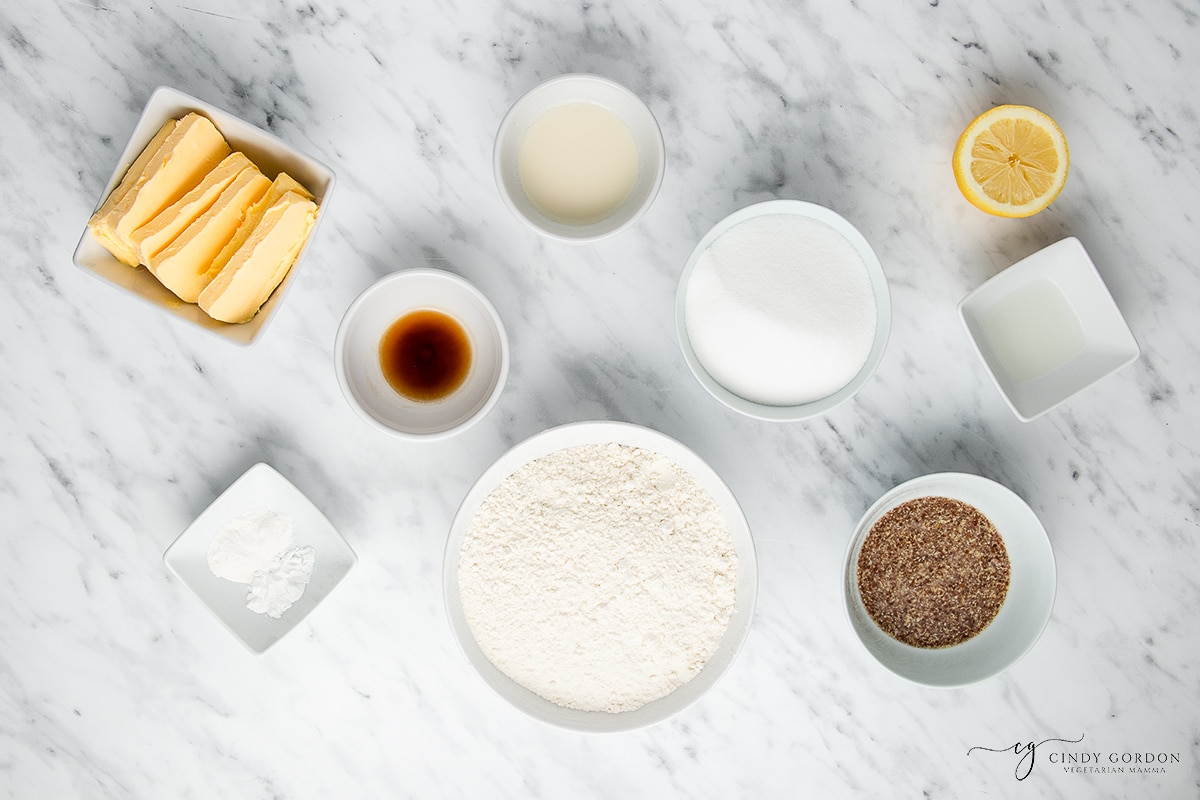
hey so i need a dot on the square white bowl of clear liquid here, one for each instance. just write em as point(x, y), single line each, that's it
point(1047, 328)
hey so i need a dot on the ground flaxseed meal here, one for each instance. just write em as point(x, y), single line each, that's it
point(933, 572)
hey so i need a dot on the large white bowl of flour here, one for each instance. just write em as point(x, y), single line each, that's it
point(783, 310)
point(600, 576)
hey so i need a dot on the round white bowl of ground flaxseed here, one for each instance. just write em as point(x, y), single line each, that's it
point(537, 586)
point(1024, 610)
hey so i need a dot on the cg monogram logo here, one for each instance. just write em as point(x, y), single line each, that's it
point(1026, 753)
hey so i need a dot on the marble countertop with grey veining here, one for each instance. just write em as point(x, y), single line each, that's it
point(120, 423)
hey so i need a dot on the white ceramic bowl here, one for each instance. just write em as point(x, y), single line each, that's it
point(1021, 618)
point(573, 435)
point(356, 354)
point(269, 153)
point(1047, 328)
point(260, 487)
point(576, 88)
point(879, 286)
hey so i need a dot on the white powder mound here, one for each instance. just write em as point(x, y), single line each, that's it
point(249, 543)
point(273, 590)
point(600, 577)
point(779, 310)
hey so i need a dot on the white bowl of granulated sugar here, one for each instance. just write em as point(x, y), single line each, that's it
point(565, 565)
point(783, 310)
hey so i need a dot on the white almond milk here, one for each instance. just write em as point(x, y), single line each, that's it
point(578, 163)
point(1034, 332)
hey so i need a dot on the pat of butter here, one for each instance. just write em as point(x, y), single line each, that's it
point(159, 232)
point(260, 264)
point(134, 176)
point(282, 184)
point(186, 266)
point(188, 153)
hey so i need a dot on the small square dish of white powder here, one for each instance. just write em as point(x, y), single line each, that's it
point(260, 557)
point(600, 576)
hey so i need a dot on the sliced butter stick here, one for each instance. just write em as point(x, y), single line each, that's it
point(282, 184)
point(134, 176)
point(260, 264)
point(159, 232)
point(186, 265)
point(193, 148)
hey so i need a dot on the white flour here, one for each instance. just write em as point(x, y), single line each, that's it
point(256, 549)
point(780, 310)
point(600, 577)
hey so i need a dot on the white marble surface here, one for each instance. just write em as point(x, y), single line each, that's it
point(119, 423)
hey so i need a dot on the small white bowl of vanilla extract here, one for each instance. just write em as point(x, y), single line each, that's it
point(421, 354)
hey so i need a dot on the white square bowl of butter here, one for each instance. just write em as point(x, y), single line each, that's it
point(1047, 328)
point(259, 491)
point(268, 153)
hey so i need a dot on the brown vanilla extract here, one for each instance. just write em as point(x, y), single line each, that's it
point(425, 355)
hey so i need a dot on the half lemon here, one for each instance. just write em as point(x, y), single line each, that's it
point(1011, 161)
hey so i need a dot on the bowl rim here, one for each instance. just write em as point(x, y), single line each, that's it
point(552, 440)
point(879, 288)
point(461, 283)
point(952, 485)
point(498, 164)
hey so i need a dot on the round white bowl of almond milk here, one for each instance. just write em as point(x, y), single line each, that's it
point(578, 158)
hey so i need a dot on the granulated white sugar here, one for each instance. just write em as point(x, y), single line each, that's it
point(780, 310)
point(600, 577)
